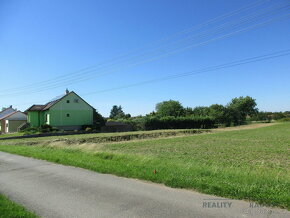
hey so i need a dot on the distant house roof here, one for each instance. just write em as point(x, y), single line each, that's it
point(13, 114)
point(6, 111)
point(36, 107)
point(7, 115)
point(51, 103)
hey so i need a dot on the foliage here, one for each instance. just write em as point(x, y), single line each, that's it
point(88, 129)
point(137, 123)
point(99, 120)
point(219, 113)
point(261, 116)
point(287, 119)
point(201, 111)
point(240, 108)
point(169, 108)
point(118, 113)
point(46, 128)
point(170, 122)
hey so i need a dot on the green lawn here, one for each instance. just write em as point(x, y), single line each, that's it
point(244, 164)
point(9, 209)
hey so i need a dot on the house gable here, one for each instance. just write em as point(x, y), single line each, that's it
point(71, 101)
point(70, 110)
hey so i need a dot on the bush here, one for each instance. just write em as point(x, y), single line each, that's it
point(88, 129)
point(137, 124)
point(284, 119)
point(84, 127)
point(46, 128)
point(31, 130)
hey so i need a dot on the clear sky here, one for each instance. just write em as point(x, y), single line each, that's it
point(43, 44)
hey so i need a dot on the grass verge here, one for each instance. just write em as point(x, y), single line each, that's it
point(9, 209)
point(246, 164)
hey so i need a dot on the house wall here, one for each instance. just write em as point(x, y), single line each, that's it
point(14, 124)
point(2, 126)
point(35, 118)
point(80, 113)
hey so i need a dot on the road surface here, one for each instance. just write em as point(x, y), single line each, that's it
point(52, 190)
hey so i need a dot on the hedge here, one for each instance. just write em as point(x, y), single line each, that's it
point(153, 123)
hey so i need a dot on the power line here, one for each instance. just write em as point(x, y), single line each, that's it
point(250, 6)
point(173, 52)
point(200, 71)
point(193, 72)
point(194, 45)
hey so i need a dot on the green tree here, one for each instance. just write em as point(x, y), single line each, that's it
point(169, 108)
point(117, 112)
point(218, 112)
point(99, 120)
point(240, 108)
point(188, 111)
point(201, 111)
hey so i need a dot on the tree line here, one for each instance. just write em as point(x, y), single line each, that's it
point(172, 114)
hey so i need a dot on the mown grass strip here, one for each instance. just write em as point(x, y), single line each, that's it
point(9, 209)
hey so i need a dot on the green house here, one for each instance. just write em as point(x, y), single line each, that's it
point(68, 112)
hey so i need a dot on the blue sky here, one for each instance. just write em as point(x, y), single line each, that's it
point(41, 40)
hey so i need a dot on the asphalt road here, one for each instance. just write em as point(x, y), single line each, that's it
point(52, 190)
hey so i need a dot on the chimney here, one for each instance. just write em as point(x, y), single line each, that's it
point(66, 91)
point(10, 106)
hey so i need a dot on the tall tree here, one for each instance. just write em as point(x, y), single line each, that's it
point(117, 112)
point(201, 111)
point(240, 108)
point(218, 112)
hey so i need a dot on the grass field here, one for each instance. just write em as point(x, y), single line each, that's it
point(241, 164)
point(9, 209)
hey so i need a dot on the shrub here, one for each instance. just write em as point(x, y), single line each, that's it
point(284, 119)
point(46, 128)
point(31, 130)
point(84, 127)
point(88, 129)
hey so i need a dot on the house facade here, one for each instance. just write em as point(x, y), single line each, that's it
point(68, 112)
point(11, 122)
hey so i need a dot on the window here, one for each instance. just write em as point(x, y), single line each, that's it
point(76, 100)
point(67, 101)
point(67, 115)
